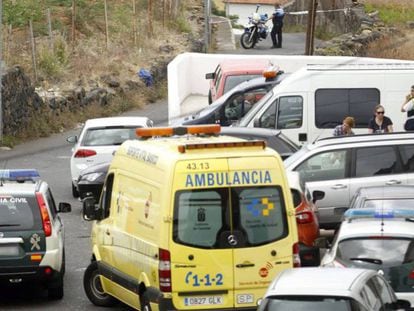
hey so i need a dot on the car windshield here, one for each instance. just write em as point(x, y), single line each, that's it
point(233, 81)
point(108, 136)
point(253, 112)
point(393, 256)
point(19, 213)
point(389, 203)
point(307, 303)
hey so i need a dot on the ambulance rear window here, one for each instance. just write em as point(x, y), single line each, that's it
point(19, 213)
point(229, 217)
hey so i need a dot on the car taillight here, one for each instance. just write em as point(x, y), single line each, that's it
point(164, 270)
point(304, 217)
point(84, 153)
point(296, 258)
point(411, 274)
point(47, 226)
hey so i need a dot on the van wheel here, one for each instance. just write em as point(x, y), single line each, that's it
point(75, 192)
point(145, 302)
point(93, 287)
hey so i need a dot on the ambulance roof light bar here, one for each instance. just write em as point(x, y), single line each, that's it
point(234, 144)
point(378, 212)
point(212, 129)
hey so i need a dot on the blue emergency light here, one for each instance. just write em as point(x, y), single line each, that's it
point(379, 212)
point(19, 174)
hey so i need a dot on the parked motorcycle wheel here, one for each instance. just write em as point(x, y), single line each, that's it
point(248, 41)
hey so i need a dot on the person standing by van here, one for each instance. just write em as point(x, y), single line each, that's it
point(345, 129)
point(380, 123)
point(408, 107)
point(277, 20)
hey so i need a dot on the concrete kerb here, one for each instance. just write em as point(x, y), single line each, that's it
point(223, 36)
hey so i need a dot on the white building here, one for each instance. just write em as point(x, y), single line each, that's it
point(245, 8)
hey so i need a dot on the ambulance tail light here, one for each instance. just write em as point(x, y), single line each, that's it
point(296, 258)
point(164, 270)
point(84, 153)
point(47, 226)
point(211, 129)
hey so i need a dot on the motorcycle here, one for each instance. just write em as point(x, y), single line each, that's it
point(255, 30)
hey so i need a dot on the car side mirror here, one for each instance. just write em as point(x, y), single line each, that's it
point(257, 123)
point(89, 210)
point(210, 75)
point(317, 195)
point(64, 207)
point(72, 139)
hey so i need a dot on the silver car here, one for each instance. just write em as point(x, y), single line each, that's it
point(327, 289)
point(339, 166)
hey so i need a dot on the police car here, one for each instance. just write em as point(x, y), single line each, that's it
point(381, 239)
point(31, 232)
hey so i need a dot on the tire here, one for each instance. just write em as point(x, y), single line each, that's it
point(56, 292)
point(93, 287)
point(145, 302)
point(247, 42)
point(75, 192)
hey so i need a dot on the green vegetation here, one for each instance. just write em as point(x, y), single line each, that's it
point(391, 13)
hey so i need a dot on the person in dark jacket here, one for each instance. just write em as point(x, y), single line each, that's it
point(277, 20)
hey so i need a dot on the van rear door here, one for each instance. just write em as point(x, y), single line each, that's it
point(230, 233)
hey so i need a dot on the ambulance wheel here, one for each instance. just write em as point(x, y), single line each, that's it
point(145, 302)
point(93, 287)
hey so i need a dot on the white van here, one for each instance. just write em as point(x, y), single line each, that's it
point(309, 103)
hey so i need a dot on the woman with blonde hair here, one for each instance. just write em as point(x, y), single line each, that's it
point(380, 123)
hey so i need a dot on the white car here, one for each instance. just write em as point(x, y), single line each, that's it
point(380, 239)
point(98, 140)
point(327, 289)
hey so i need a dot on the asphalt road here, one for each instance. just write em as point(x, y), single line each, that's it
point(292, 44)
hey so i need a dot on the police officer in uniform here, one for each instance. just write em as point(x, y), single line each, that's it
point(277, 20)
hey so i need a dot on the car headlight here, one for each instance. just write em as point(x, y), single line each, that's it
point(92, 177)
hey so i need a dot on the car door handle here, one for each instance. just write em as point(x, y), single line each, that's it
point(393, 182)
point(107, 232)
point(339, 186)
point(245, 265)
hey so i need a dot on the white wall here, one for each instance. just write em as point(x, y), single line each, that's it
point(186, 72)
point(246, 10)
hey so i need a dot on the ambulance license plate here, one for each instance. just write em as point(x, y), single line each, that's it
point(9, 250)
point(203, 301)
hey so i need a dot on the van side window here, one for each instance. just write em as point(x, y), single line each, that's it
point(268, 118)
point(51, 203)
point(290, 112)
point(332, 105)
point(407, 155)
point(375, 161)
point(107, 195)
point(324, 166)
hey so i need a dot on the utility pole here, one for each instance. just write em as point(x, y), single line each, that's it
point(310, 31)
point(207, 30)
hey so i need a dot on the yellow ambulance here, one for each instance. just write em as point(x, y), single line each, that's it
point(190, 220)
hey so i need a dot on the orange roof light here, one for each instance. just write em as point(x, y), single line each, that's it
point(182, 130)
point(235, 144)
point(270, 72)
